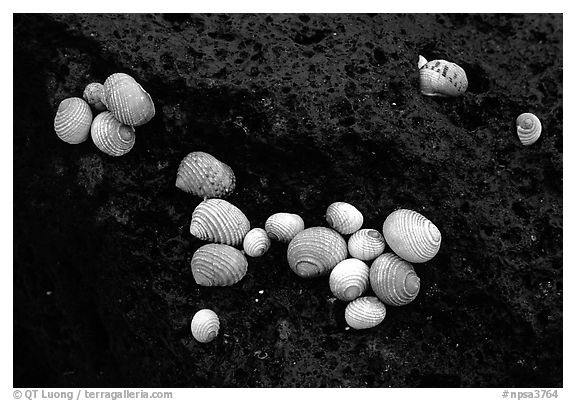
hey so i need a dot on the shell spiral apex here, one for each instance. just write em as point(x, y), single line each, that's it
point(127, 100)
point(218, 220)
point(529, 128)
point(111, 136)
point(203, 175)
point(218, 265)
point(394, 280)
point(442, 78)
point(283, 226)
point(72, 121)
point(205, 325)
point(365, 313)
point(256, 242)
point(344, 217)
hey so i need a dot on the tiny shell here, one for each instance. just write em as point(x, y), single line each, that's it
point(365, 313)
point(127, 100)
point(394, 280)
point(203, 175)
point(344, 217)
point(205, 325)
point(421, 62)
point(411, 236)
point(283, 226)
point(111, 136)
point(366, 244)
point(349, 279)
point(73, 120)
point(256, 242)
point(220, 221)
point(218, 265)
point(442, 78)
point(529, 128)
point(93, 94)
point(315, 251)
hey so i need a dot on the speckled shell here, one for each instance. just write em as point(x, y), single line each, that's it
point(283, 226)
point(349, 279)
point(442, 78)
point(411, 236)
point(366, 244)
point(365, 313)
point(256, 242)
point(394, 280)
point(205, 325)
point(127, 100)
point(219, 221)
point(315, 251)
point(203, 175)
point(93, 94)
point(218, 265)
point(72, 121)
point(529, 128)
point(111, 136)
point(344, 217)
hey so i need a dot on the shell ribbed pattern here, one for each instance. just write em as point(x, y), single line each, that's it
point(394, 280)
point(366, 244)
point(205, 325)
point(127, 100)
point(111, 136)
point(364, 313)
point(256, 242)
point(349, 279)
point(203, 175)
point(72, 121)
point(219, 221)
point(442, 78)
point(218, 265)
point(283, 227)
point(529, 128)
point(344, 217)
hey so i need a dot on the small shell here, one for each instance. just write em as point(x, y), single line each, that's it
point(349, 279)
point(315, 251)
point(344, 218)
point(394, 280)
point(218, 265)
point(72, 121)
point(256, 242)
point(529, 128)
point(203, 175)
point(93, 94)
point(127, 100)
point(365, 313)
point(111, 136)
point(411, 236)
point(442, 78)
point(366, 244)
point(421, 62)
point(205, 325)
point(219, 221)
point(283, 226)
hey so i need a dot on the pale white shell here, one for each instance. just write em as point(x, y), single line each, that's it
point(72, 121)
point(344, 217)
point(218, 220)
point(93, 94)
point(111, 136)
point(203, 175)
point(256, 242)
point(349, 279)
point(442, 78)
point(529, 128)
point(127, 100)
point(421, 62)
point(205, 325)
point(365, 313)
point(283, 226)
point(394, 280)
point(218, 265)
point(366, 244)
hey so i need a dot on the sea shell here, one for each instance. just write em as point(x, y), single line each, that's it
point(411, 236)
point(349, 279)
point(111, 136)
point(421, 62)
point(203, 175)
point(93, 94)
point(394, 280)
point(218, 265)
point(529, 128)
point(220, 221)
point(366, 244)
point(72, 121)
point(344, 218)
point(365, 313)
point(127, 100)
point(315, 251)
point(205, 325)
point(283, 226)
point(442, 78)
point(256, 242)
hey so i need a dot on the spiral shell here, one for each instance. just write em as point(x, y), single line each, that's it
point(394, 280)
point(127, 100)
point(256, 242)
point(203, 175)
point(442, 78)
point(72, 120)
point(283, 226)
point(365, 313)
point(93, 94)
point(529, 128)
point(220, 221)
point(205, 325)
point(111, 136)
point(315, 251)
point(411, 236)
point(349, 279)
point(218, 265)
point(366, 244)
point(344, 218)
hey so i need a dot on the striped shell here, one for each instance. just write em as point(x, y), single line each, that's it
point(256, 242)
point(93, 94)
point(365, 313)
point(219, 221)
point(529, 128)
point(111, 136)
point(218, 265)
point(72, 120)
point(349, 279)
point(394, 280)
point(442, 78)
point(203, 175)
point(283, 226)
point(366, 244)
point(411, 236)
point(344, 218)
point(205, 325)
point(315, 251)
point(127, 100)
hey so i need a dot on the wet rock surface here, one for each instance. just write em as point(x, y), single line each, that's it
point(307, 110)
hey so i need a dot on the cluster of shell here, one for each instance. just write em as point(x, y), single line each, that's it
point(120, 104)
